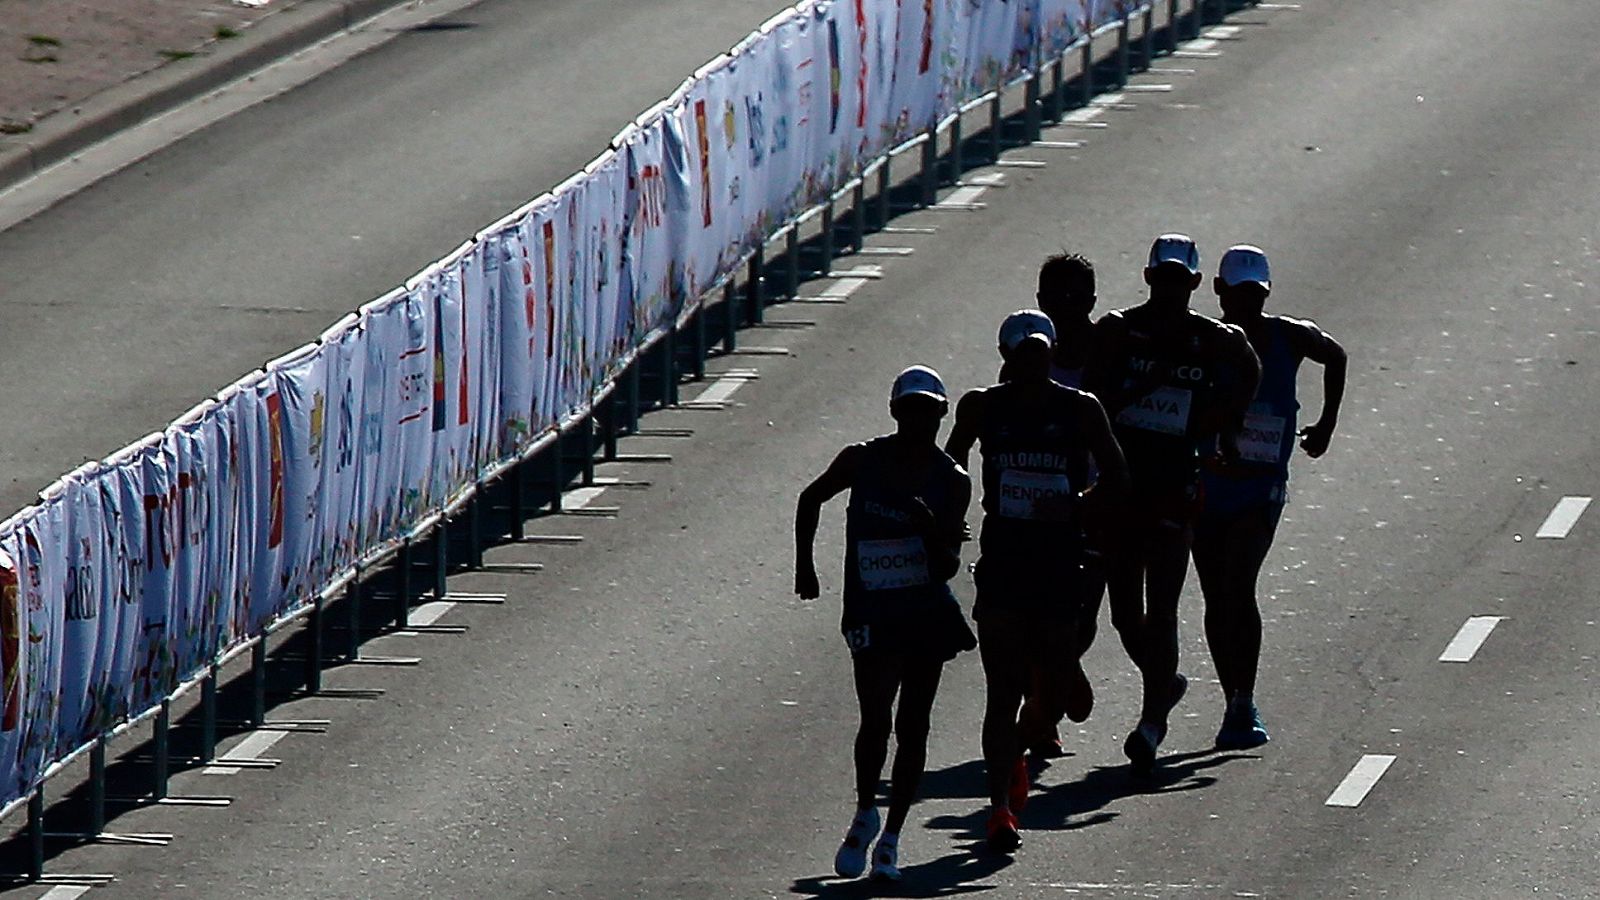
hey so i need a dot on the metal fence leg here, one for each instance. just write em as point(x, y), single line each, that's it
point(403, 595)
point(36, 834)
point(1058, 79)
point(996, 126)
point(700, 342)
point(730, 316)
point(1124, 52)
point(1087, 76)
point(858, 217)
point(758, 300)
point(1172, 25)
point(97, 786)
point(258, 702)
point(634, 376)
point(791, 261)
point(475, 526)
point(930, 165)
point(441, 567)
point(1147, 51)
point(611, 426)
point(352, 599)
point(884, 212)
point(827, 250)
point(162, 740)
point(208, 709)
point(1031, 113)
point(669, 370)
point(957, 164)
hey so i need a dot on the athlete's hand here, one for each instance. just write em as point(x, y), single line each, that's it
point(1315, 438)
point(805, 582)
point(1228, 446)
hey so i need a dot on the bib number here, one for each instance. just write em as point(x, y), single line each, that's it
point(1039, 496)
point(1164, 410)
point(1261, 439)
point(885, 565)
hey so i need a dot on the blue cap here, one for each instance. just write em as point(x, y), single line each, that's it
point(1175, 248)
point(1245, 263)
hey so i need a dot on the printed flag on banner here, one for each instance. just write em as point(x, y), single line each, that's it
point(74, 517)
point(301, 389)
point(609, 321)
point(13, 652)
point(481, 301)
point(122, 513)
point(453, 348)
point(520, 349)
point(261, 494)
point(154, 669)
point(236, 499)
point(1062, 24)
point(190, 514)
point(658, 207)
point(341, 472)
point(383, 333)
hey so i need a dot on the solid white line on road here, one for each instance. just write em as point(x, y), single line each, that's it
point(1471, 636)
point(721, 389)
point(1150, 88)
point(886, 251)
point(65, 892)
point(1355, 786)
point(250, 748)
point(1021, 164)
point(964, 196)
point(581, 497)
point(1563, 517)
point(1289, 6)
point(1056, 145)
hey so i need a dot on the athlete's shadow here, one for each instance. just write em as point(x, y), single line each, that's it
point(1084, 803)
point(948, 876)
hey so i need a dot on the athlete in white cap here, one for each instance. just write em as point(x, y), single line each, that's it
point(1036, 437)
point(1244, 498)
point(1170, 378)
point(903, 531)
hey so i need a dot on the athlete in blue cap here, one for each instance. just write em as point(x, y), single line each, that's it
point(1244, 498)
point(1170, 378)
point(1037, 438)
point(903, 532)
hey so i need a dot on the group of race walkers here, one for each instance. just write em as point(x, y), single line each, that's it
point(1111, 451)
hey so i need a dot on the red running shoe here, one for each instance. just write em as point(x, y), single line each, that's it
point(1003, 834)
point(1019, 786)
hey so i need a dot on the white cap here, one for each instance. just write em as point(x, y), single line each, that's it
point(1026, 323)
point(1245, 263)
point(918, 380)
point(1175, 248)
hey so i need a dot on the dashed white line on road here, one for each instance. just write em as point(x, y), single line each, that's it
point(1151, 88)
point(1223, 32)
point(250, 748)
point(1471, 636)
point(1355, 786)
point(962, 197)
point(1561, 519)
point(65, 892)
point(1198, 45)
point(581, 497)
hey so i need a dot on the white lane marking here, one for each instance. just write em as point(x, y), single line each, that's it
point(1290, 6)
point(1150, 88)
point(1198, 45)
point(1083, 114)
point(1561, 519)
point(429, 613)
point(987, 179)
point(720, 390)
point(962, 196)
point(1471, 636)
point(1223, 32)
point(250, 748)
point(886, 251)
point(1109, 100)
point(581, 497)
point(1056, 145)
point(65, 892)
point(1355, 786)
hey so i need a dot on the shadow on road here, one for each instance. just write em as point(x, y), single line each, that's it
point(948, 876)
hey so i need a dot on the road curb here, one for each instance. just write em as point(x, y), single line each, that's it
point(146, 96)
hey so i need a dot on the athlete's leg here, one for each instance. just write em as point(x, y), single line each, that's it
point(1006, 681)
point(1210, 552)
point(1167, 565)
point(918, 685)
point(1125, 574)
point(1247, 544)
point(877, 677)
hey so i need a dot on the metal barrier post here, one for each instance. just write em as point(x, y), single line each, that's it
point(996, 125)
point(611, 426)
point(1172, 26)
point(730, 309)
point(826, 249)
point(352, 599)
point(1124, 51)
point(858, 217)
point(1031, 115)
point(97, 786)
point(1196, 15)
point(1087, 76)
point(475, 527)
point(315, 656)
point(930, 164)
point(669, 371)
point(258, 704)
point(1147, 51)
point(208, 713)
point(883, 193)
point(758, 300)
point(36, 834)
point(1058, 78)
point(633, 399)
point(791, 261)
point(441, 568)
point(558, 471)
point(403, 595)
point(700, 342)
point(162, 735)
point(957, 164)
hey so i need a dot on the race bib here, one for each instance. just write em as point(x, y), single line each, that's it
point(1164, 410)
point(1040, 496)
point(898, 563)
point(1261, 439)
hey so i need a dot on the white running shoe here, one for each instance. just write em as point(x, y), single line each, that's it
point(851, 860)
point(885, 860)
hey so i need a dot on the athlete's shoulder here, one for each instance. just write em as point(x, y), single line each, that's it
point(1305, 335)
point(948, 466)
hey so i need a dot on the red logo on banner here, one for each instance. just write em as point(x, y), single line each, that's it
point(462, 415)
point(549, 290)
point(700, 128)
point(10, 645)
point(275, 433)
point(927, 37)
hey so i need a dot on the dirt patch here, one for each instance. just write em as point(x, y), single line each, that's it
point(55, 54)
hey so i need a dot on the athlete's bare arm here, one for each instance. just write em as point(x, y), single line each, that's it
point(1103, 375)
point(1112, 484)
point(836, 480)
point(964, 433)
point(1240, 357)
point(944, 549)
point(1320, 347)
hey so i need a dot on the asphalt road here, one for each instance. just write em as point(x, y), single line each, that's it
point(654, 715)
